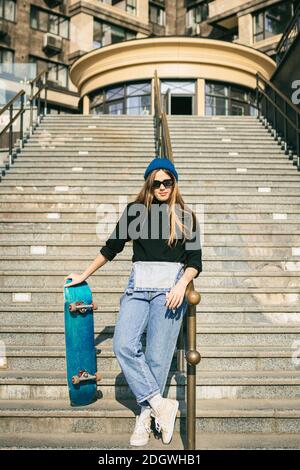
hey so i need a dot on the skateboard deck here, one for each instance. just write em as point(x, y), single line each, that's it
point(81, 361)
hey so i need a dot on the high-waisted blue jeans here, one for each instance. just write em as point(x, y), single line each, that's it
point(147, 373)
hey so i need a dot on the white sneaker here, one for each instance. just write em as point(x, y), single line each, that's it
point(165, 416)
point(142, 430)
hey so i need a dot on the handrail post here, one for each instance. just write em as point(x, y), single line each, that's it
point(298, 141)
point(21, 122)
point(267, 110)
point(39, 107)
point(31, 108)
point(274, 114)
point(285, 127)
point(46, 89)
point(193, 358)
point(10, 146)
point(257, 97)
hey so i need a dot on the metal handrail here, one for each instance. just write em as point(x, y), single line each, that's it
point(36, 82)
point(279, 118)
point(12, 118)
point(291, 32)
point(41, 77)
point(164, 148)
point(162, 134)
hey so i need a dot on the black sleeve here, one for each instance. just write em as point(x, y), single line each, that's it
point(193, 249)
point(117, 239)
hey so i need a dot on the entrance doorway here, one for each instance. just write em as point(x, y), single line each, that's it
point(181, 105)
point(178, 96)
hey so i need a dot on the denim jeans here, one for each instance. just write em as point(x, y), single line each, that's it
point(146, 373)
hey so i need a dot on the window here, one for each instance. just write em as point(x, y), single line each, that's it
point(131, 6)
point(196, 13)
point(177, 87)
point(128, 5)
point(6, 61)
point(6, 95)
point(126, 98)
point(57, 72)
point(272, 20)
point(227, 99)
point(8, 10)
point(157, 14)
point(107, 33)
point(49, 22)
point(138, 98)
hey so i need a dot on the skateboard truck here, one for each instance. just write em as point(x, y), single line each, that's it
point(84, 375)
point(81, 307)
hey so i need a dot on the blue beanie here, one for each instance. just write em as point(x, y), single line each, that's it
point(163, 163)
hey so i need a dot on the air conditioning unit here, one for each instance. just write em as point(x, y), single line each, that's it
point(54, 3)
point(52, 43)
point(3, 28)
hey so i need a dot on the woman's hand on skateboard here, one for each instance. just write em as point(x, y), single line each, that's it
point(76, 279)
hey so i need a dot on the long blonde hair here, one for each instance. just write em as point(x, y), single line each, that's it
point(146, 196)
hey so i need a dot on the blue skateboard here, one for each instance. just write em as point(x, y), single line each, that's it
point(81, 358)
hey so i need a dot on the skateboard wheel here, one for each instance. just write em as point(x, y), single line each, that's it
point(72, 307)
point(95, 306)
point(75, 380)
point(98, 376)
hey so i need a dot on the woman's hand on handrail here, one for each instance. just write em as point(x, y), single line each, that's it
point(176, 295)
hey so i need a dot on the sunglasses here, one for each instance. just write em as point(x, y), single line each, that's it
point(167, 183)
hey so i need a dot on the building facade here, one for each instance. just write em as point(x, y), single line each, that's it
point(101, 54)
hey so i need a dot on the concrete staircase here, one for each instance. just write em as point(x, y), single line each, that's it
point(248, 325)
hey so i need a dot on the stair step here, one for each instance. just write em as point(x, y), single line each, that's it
point(116, 441)
point(43, 274)
point(49, 139)
point(284, 295)
point(75, 227)
point(50, 164)
point(256, 415)
point(241, 384)
point(6, 209)
point(235, 335)
point(203, 328)
point(13, 204)
point(92, 143)
point(29, 315)
point(128, 247)
point(227, 268)
point(43, 236)
point(74, 196)
point(207, 377)
point(42, 181)
point(97, 441)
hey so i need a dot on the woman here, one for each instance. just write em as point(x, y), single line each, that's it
point(154, 298)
